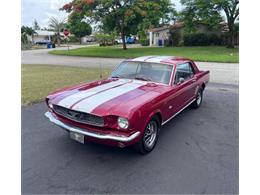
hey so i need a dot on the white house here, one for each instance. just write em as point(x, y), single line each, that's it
point(43, 36)
point(157, 36)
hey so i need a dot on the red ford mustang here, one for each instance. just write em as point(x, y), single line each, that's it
point(129, 107)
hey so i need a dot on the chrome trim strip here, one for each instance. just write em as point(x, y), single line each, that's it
point(119, 138)
point(178, 112)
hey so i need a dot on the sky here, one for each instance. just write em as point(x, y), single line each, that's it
point(43, 10)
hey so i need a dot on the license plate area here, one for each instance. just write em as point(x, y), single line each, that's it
point(77, 137)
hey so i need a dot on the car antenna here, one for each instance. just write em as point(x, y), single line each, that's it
point(100, 69)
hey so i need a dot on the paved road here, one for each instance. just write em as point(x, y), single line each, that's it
point(226, 73)
point(197, 153)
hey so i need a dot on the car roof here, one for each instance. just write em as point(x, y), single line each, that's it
point(160, 59)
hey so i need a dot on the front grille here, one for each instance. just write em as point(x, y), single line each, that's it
point(80, 117)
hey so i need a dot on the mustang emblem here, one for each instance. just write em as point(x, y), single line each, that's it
point(74, 114)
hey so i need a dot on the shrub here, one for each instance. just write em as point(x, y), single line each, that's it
point(196, 39)
point(144, 42)
point(73, 39)
point(174, 38)
point(105, 39)
point(224, 38)
point(214, 39)
point(201, 39)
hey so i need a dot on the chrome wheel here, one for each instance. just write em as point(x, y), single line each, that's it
point(150, 134)
point(199, 98)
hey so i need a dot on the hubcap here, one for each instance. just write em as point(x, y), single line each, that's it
point(150, 134)
point(199, 98)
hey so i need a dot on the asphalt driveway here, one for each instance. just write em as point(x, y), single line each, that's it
point(197, 153)
point(226, 73)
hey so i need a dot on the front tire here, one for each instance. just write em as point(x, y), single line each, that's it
point(149, 139)
point(199, 98)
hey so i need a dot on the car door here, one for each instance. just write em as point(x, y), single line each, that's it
point(183, 87)
point(191, 81)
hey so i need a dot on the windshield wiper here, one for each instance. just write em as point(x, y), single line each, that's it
point(116, 77)
point(142, 79)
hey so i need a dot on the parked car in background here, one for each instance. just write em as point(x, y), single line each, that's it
point(118, 41)
point(130, 106)
point(128, 40)
point(42, 42)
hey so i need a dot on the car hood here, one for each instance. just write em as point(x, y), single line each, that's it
point(108, 97)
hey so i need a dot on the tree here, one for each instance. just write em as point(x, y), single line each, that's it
point(36, 25)
point(57, 26)
point(122, 16)
point(77, 26)
point(200, 12)
point(159, 13)
point(209, 13)
point(231, 9)
point(25, 30)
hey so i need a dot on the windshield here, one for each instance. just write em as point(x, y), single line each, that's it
point(146, 71)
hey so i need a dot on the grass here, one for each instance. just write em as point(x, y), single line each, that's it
point(205, 54)
point(39, 80)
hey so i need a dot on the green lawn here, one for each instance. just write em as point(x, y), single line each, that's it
point(205, 54)
point(39, 80)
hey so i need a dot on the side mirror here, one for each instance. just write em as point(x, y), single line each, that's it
point(181, 80)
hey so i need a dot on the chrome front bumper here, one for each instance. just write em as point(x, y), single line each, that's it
point(69, 128)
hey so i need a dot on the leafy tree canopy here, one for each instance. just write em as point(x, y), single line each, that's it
point(78, 26)
point(200, 11)
point(36, 25)
point(209, 13)
point(122, 16)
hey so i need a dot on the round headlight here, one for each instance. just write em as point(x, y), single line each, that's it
point(122, 123)
point(51, 105)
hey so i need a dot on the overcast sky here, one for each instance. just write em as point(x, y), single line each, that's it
point(42, 10)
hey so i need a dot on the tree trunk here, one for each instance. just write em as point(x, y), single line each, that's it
point(32, 39)
point(58, 39)
point(80, 40)
point(231, 42)
point(123, 39)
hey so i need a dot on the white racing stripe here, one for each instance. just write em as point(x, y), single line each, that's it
point(72, 99)
point(93, 102)
point(158, 59)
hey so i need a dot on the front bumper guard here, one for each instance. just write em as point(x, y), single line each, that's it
point(119, 138)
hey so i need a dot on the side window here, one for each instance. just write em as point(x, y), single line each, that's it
point(184, 71)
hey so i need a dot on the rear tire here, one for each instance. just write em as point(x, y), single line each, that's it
point(199, 97)
point(149, 139)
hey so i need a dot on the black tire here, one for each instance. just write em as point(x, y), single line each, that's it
point(199, 97)
point(142, 145)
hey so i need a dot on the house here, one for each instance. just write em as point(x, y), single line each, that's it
point(157, 36)
point(43, 36)
point(162, 35)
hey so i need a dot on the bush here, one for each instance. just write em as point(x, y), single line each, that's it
point(73, 39)
point(105, 39)
point(174, 38)
point(224, 38)
point(201, 39)
point(144, 42)
point(214, 39)
point(196, 39)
